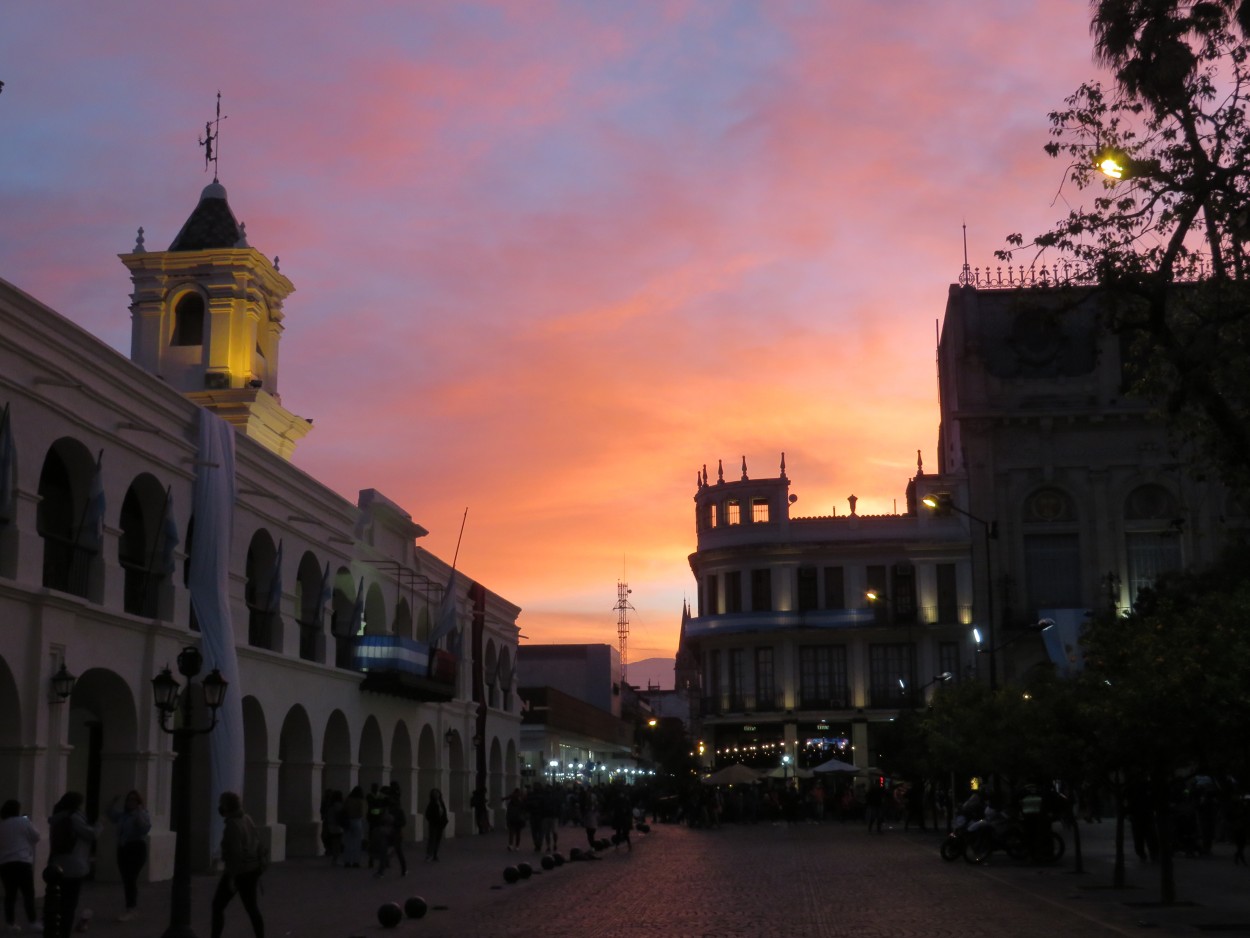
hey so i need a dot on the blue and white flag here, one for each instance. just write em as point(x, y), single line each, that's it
point(275, 583)
point(91, 530)
point(327, 589)
point(169, 535)
point(358, 610)
point(446, 623)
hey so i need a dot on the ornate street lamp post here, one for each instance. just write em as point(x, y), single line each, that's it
point(170, 698)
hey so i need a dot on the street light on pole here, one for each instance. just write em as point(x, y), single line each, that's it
point(170, 697)
point(941, 504)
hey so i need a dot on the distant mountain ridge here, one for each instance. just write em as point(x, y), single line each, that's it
point(648, 671)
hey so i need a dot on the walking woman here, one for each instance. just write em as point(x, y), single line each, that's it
point(133, 824)
point(436, 821)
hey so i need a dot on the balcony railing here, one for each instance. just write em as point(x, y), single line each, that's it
point(740, 703)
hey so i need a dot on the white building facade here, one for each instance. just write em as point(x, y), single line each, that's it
point(334, 613)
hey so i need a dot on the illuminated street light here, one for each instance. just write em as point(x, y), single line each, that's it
point(1118, 165)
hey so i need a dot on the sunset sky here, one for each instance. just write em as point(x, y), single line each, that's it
point(551, 257)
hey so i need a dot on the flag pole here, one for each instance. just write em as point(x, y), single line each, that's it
point(456, 555)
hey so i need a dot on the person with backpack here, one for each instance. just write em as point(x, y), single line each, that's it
point(244, 859)
point(70, 839)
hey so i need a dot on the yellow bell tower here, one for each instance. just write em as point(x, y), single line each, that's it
point(206, 317)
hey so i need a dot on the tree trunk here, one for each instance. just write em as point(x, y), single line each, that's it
point(1164, 823)
point(1117, 878)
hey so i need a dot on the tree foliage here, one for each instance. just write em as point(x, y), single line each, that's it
point(1166, 245)
point(1166, 683)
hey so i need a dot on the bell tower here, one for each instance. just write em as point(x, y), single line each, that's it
point(206, 317)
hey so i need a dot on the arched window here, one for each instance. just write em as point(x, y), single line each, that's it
point(70, 517)
point(375, 611)
point(310, 601)
point(490, 674)
point(403, 619)
point(141, 549)
point(8, 495)
point(342, 616)
point(263, 582)
point(188, 320)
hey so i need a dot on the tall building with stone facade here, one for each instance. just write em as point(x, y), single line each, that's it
point(132, 526)
point(1055, 493)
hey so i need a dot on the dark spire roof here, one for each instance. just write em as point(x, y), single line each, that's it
point(211, 225)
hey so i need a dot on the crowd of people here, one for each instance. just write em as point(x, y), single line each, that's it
point(71, 846)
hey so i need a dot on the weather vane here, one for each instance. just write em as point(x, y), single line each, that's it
point(212, 130)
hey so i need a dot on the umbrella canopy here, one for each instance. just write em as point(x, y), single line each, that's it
point(736, 774)
point(789, 771)
point(837, 765)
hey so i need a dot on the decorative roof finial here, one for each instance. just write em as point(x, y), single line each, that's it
point(705, 473)
point(744, 469)
point(919, 464)
point(852, 499)
point(275, 263)
point(720, 472)
point(139, 248)
point(783, 465)
point(212, 130)
point(242, 242)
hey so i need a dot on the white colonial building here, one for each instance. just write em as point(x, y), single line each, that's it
point(131, 527)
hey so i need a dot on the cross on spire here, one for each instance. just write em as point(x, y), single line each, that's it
point(212, 130)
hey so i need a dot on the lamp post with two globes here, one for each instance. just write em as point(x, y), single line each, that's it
point(171, 698)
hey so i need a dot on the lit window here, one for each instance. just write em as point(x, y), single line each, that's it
point(759, 510)
point(733, 512)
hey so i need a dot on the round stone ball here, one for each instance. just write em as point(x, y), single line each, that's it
point(575, 853)
point(511, 874)
point(525, 870)
point(558, 858)
point(415, 907)
point(390, 914)
point(548, 862)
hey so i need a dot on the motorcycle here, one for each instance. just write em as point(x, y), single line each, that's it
point(1002, 831)
point(997, 831)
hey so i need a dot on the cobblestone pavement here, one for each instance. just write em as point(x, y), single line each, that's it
point(757, 881)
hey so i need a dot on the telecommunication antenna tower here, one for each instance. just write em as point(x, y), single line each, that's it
point(623, 608)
